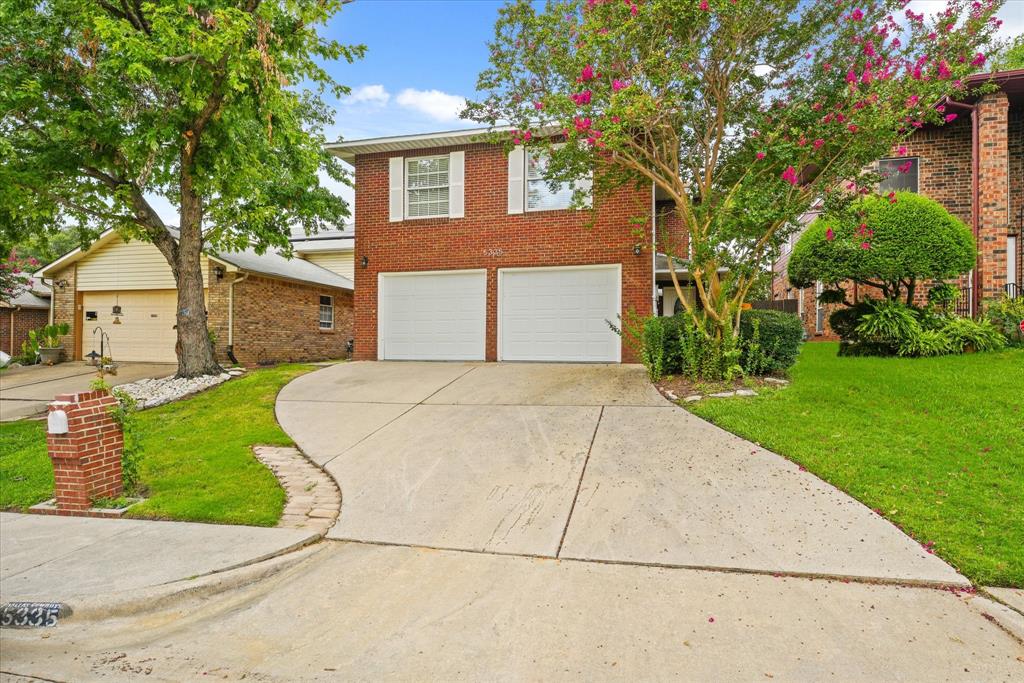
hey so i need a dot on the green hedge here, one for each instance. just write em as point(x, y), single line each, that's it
point(779, 335)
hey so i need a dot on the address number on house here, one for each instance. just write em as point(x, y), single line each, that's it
point(494, 253)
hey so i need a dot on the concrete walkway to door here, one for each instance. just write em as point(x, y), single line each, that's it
point(584, 462)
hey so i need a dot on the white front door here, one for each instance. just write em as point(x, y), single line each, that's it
point(432, 316)
point(559, 314)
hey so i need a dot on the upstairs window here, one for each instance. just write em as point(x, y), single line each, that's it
point(326, 313)
point(426, 186)
point(897, 174)
point(539, 196)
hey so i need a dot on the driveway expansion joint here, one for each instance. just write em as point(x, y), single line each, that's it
point(579, 484)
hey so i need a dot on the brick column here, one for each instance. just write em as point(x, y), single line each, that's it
point(994, 191)
point(87, 459)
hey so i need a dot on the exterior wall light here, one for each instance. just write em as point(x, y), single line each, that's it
point(218, 272)
point(365, 261)
point(637, 249)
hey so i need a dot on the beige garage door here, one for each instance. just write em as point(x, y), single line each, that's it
point(146, 332)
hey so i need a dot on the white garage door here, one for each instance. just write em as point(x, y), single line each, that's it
point(559, 314)
point(432, 316)
point(146, 330)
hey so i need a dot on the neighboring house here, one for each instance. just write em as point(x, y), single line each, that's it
point(29, 310)
point(974, 166)
point(333, 250)
point(262, 308)
point(463, 252)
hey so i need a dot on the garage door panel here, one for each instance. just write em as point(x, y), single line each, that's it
point(559, 314)
point(432, 316)
point(146, 325)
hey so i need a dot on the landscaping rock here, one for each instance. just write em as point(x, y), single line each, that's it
point(149, 393)
point(671, 395)
point(723, 394)
point(692, 398)
point(746, 392)
point(236, 372)
point(776, 380)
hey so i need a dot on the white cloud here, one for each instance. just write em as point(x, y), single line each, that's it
point(438, 105)
point(370, 94)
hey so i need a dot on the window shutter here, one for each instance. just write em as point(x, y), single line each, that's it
point(396, 189)
point(456, 184)
point(516, 171)
point(586, 185)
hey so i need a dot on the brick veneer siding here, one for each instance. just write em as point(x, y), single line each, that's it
point(15, 325)
point(944, 174)
point(277, 321)
point(87, 459)
point(64, 306)
point(489, 237)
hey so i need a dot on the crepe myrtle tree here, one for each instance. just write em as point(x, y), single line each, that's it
point(213, 105)
point(743, 112)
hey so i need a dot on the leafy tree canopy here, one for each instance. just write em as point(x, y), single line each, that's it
point(743, 112)
point(889, 244)
point(214, 105)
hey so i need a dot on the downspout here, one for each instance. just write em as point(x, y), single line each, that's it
point(654, 249)
point(14, 310)
point(231, 316)
point(52, 295)
point(975, 198)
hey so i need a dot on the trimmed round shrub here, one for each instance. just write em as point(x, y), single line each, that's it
point(878, 242)
point(778, 336)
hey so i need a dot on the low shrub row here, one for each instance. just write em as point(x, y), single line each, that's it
point(892, 328)
point(769, 341)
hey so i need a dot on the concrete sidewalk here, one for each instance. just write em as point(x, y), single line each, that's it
point(66, 559)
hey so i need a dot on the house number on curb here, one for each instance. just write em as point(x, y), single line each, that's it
point(32, 614)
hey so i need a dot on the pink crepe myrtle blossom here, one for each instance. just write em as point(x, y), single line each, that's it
point(582, 124)
point(913, 100)
point(538, 105)
point(615, 119)
point(760, 155)
point(587, 74)
point(852, 128)
point(851, 76)
point(901, 150)
point(950, 118)
point(857, 14)
point(818, 143)
point(944, 71)
point(891, 197)
point(826, 67)
point(618, 85)
point(582, 97)
point(790, 176)
point(830, 234)
point(865, 245)
point(979, 60)
point(704, 5)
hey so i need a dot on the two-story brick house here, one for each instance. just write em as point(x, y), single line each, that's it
point(464, 252)
point(974, 166)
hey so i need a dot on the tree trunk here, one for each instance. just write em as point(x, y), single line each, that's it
point(194, 348)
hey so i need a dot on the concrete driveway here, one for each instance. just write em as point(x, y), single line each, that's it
point(583, 462)
point(25, 391)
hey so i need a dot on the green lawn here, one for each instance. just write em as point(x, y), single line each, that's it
point(934, 444)
point(197, 462)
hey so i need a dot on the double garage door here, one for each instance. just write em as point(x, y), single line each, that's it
point(544, 314)
point(144, 330)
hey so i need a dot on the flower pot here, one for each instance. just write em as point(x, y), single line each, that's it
point(50, 356)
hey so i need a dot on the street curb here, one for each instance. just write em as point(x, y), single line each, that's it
point(161, 597)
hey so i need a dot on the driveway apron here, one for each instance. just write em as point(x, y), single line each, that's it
point(584, 462)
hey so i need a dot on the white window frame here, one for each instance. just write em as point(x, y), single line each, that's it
point(329, 308)
point(528, 153)
point(406, 189)
point(819, 309)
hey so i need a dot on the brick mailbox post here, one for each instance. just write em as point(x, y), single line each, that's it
point(87, 456)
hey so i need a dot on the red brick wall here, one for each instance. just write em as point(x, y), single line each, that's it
point(87, 459)
point(278, 321)
point(15, 324)
point(488, 237)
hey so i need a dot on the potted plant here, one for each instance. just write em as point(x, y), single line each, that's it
point(46, 340)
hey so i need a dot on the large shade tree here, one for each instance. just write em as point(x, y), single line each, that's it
point(214, 105)
point(743, 112)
